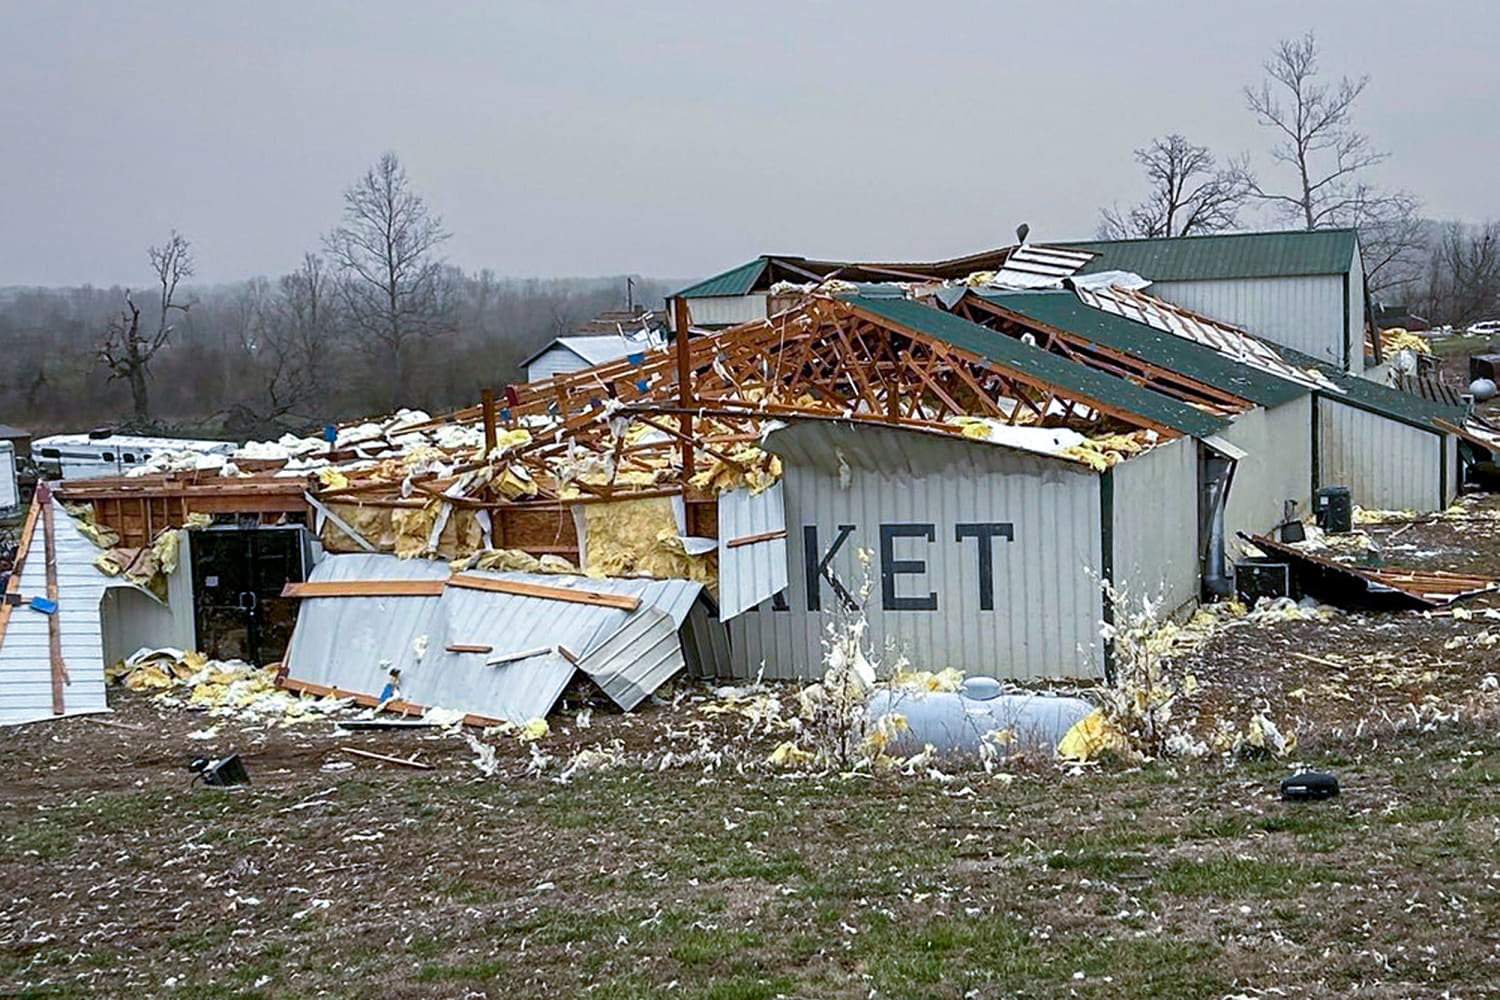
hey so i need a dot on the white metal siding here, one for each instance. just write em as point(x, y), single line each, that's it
point(1455, 472)
point(1277, 468)
point(749, 574)
point(1045, 605)
point(25, 656)
point(1356, 317)
point(553, 362)
point(1156, 524)
point(1305, 313)
point(727, 310)
point(1386, 464)
point(10, 492)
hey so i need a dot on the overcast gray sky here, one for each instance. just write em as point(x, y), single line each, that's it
point(672, 139)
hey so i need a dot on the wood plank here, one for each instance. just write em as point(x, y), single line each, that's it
point(397, 706)
point(54, 622)
point(372, 755)
point(468, 647)
point(13, 585)
point(364, 588)
point(574, 596)
point(761, 536)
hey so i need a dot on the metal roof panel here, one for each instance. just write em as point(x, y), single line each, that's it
point(1068, 376)
point(1063, 311)
point(1225, 255)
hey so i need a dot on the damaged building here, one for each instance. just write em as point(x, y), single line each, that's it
point(957, 453)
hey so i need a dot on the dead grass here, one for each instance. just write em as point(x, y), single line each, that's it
point(721, 880)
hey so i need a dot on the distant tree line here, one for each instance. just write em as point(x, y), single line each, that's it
point(372, 320)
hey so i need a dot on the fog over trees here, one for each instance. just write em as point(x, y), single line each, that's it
point(375, 318)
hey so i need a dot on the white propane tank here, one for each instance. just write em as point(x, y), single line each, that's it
point(1482, 389)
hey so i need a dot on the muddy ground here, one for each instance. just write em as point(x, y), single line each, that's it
point(681, 865)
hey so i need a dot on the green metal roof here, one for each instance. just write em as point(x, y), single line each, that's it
point(1239, 255)
point(1063, 311)
point(1397, 404)
point(735, 281)
point(1068, 376)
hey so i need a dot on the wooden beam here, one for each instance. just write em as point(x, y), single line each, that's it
point(683, 321)
point(763, 536)
point(54, 620)
point(13, 585)
point(468, 647)
point(598, 598)
point(397, 706)
point(364, 588)
point(372, 755)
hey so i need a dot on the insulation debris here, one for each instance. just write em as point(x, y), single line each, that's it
point(221, 688)
point(1397, 338)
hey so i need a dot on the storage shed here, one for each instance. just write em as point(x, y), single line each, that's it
point(1299, 289)
point(571, 354)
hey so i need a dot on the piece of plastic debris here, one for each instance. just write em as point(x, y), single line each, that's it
point(1308, 786)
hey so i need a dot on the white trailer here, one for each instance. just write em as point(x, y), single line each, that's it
point(105, 453)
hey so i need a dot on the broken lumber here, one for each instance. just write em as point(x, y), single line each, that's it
point(762, 536)
point(468, 647)
point(597, 598)
point(413, 762)
point(54, 620)
point(364, 588)
point(397, 705)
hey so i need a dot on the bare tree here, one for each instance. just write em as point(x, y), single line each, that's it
point(394, 287)
point(125, 350)
point(1330, 159)
point(1190, 193)
point(1463, 277)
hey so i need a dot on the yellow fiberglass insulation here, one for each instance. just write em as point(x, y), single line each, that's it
point(372, 523)
point(462, 535)
point(412, 526)
point(639, 538)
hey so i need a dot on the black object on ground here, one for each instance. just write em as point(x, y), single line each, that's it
point(224, 771)
point(1333, 509)
point(1309, 786)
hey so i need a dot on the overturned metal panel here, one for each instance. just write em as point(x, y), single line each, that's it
point(752, 549)
point(25, 650)
point(353, 642)
point(533, 644)
point(1357, 587)
point(637, 659)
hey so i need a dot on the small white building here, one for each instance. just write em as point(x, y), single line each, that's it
point(571, 354)
point(10, 487)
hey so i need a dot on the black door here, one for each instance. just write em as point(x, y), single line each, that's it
point(237, 580)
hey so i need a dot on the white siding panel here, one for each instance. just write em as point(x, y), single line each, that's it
point(553, 362)
point(1156, 524)
point(25, 658)
point(1355, 288)
point(1386, 464)
point(1044, 607)
point(727, 310)
point(10, 493)
point(1305, 313)
point(1277, 468)
point(749, 574)
point(1454, 471)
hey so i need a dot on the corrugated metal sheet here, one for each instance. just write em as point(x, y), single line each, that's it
point(1070, 377)
point(1386, 464)
point(750, 574)
point(1064, 311)
point(1042, 608)
point(728, 311)
point(1228, 341)
point(735, 281)
point(351, 642)
point(1277, 467)
point(1156, 524)
point(1236, 255)
point(25, 651)
point(1303, 313)
point(637, 659)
